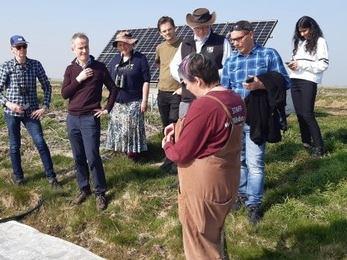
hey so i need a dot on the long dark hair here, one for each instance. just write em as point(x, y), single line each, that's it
point(314, 34)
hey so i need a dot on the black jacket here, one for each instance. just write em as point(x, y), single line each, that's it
point(266, 109)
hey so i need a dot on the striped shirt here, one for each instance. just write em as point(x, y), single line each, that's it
point(20, 83)
point(260, 60)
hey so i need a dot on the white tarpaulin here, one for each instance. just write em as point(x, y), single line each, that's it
point(22, 242)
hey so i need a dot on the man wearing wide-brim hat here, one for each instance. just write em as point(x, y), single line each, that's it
point(201, 17)
point(201, 238)
point(204, 41)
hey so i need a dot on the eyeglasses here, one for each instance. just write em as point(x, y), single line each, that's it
point(238, 39)
point(19, 47)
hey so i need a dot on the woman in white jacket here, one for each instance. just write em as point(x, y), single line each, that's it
point(310, 60)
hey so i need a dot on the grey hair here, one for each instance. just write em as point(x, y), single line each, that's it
point(78, 35)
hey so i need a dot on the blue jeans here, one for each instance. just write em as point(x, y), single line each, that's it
point(84, 136)
point(34, 129)
point(252, 169)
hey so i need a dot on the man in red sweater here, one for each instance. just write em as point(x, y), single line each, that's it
point(83, 83)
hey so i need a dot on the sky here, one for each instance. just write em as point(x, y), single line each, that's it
point(48, 25)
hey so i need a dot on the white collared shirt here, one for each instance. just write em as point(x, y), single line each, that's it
point(177, 59)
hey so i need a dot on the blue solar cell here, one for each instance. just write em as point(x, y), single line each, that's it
point(149, 38)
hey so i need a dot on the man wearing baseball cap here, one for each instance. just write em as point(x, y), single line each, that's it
point(18, 96)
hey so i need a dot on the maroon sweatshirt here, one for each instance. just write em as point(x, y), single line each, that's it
point(204, 131)
point(86, 96)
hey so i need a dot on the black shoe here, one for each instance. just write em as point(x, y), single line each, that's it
point(173, 170)
point(239, 203)
point(20, 182)
point(306, 146)
point(56, 185)
point(82, 197)
point(166, 166)
point(101, 202)
point(254, 214)
point(317, 152)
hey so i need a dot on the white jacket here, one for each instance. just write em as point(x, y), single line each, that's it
point(311, 67)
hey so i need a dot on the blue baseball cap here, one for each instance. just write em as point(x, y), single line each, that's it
point(17, 39)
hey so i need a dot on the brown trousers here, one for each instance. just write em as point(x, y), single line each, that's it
point(208, 188)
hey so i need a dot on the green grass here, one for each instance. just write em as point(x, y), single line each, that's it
point(304, 203)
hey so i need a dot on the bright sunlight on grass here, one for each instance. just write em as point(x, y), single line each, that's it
point(304, 205)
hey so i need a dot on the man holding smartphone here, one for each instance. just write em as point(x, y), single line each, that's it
point(18, 78)
point(242, 73)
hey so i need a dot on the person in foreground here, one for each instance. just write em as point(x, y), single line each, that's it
point(129, 68)
point(206, 146)
point(309, 61)
point(249, 61)
point(168, 102)
point(83, 84)
point(21, 105)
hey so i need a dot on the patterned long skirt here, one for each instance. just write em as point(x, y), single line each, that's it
point(126, 128)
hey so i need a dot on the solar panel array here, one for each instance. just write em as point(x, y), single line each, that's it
point(149, 38)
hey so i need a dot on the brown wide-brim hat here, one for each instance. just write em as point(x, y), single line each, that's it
point(124, 37)
point(201, 17)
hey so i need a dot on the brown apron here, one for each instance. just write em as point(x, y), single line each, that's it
point(207, 189)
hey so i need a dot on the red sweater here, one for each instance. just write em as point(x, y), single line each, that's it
point(86, 96)
point(204, 131)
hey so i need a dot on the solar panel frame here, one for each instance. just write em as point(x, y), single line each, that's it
point(149, 38)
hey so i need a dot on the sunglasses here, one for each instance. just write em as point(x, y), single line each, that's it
point(19, 47)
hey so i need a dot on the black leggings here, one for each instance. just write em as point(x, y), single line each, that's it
point(304, 96)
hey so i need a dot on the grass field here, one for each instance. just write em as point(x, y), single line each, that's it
point(304, 204)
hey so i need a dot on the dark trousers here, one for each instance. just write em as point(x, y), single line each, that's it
point(304, 96)
point(168, 105)
point(84, 136)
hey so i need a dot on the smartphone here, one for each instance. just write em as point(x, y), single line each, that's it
point(249, 80)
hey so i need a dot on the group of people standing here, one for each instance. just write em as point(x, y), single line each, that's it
point(85, 80)
point(210, 99)
point(219, 138)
